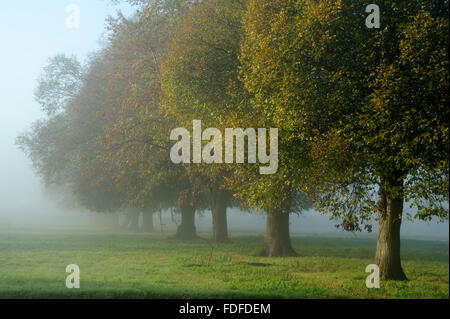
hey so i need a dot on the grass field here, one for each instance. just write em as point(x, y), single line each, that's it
point(137, 265)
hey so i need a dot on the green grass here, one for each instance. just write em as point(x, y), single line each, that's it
point(129, 265)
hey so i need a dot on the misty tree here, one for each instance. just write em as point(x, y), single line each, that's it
point(134, 146)
point(200, 81)
point(59, 82)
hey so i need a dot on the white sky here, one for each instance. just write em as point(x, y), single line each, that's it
point(31, 31)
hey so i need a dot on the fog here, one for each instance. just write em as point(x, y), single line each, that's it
point(27, 43)
point(31, 32)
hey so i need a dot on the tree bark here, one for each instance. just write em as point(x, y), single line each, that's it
point(147, 222)
point(187, 230)
point(390, 210)
point(277, 242)
point(219, 216)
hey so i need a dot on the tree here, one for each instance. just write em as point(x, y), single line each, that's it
point(135, 146)
point(59, 83)
point(147, 221)
point(104, 136)
point(414, 87)
point(199, 81)
point(364, 108)
point(57, 143)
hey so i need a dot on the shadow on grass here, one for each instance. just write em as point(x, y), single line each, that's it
point(305, 246)
point(363, 248)
point(47, 289)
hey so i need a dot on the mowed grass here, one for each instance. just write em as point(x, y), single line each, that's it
point(138, 265)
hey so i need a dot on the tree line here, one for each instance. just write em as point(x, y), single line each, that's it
point(362, 114)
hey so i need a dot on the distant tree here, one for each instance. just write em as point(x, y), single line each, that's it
point(147, 221)
point(135, 147)
point(58, 143)
point(105, 137)
point(60, 82)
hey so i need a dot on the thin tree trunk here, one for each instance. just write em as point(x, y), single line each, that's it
point(219, 216)
point(187, 230)
point(147, 222)
point(161, 225)
point(277, 242)
point(390, 210)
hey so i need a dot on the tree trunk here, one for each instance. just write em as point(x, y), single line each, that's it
point(277, 242)
point(147, 222)
point(219, 216)
point(390, 209)
point(187, 230)
point(161, 224)
point(134, 220)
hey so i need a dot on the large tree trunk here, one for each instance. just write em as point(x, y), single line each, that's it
point(390, 209)
point(277, 242)
point(147, 222)
point(219, 216)
point(134, 220)
point(187, 230)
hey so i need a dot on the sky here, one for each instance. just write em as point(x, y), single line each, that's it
point(31, 31)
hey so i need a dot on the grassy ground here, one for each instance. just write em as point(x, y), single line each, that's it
point(128, 265)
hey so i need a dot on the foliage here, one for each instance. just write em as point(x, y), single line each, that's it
point(358, 104)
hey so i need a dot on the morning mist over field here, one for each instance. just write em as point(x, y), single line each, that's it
point(26, 204)
point(28, 43)
point(184, 149)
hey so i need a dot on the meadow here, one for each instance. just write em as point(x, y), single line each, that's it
point(144, 265)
